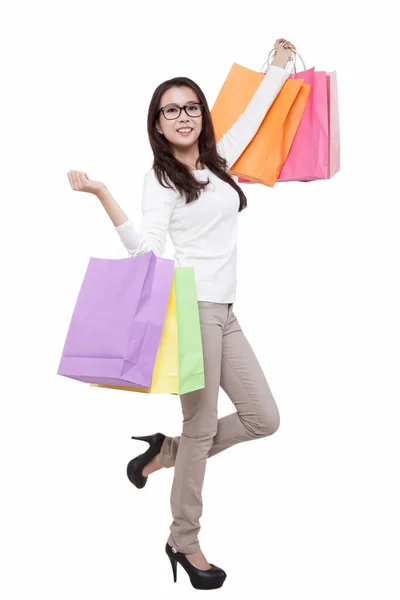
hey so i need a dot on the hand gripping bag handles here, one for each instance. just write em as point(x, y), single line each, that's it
point(263, 158)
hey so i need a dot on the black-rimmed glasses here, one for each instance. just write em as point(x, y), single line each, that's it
point(173, 111)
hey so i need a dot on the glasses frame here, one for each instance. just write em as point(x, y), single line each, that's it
point(182, 106)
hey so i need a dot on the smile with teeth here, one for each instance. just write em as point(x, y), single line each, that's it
point(184, 130)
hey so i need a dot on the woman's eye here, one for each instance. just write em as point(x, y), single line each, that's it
point(171, 110)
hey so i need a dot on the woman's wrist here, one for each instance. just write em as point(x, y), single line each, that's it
point(102, 192)
point(281, 59)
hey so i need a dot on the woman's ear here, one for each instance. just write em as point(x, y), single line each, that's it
point(158, 127)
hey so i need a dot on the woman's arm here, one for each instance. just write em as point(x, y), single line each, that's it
point(158, 204)
point(111, 207)
point(80, 182)
point(237, 138)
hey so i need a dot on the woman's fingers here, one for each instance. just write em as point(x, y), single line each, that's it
point(71, 178)
point(286, 44)
point(77, 179)
point(81, 180)
point(74, 180)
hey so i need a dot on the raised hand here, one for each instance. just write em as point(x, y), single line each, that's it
point(80, 182)
point(283, 52)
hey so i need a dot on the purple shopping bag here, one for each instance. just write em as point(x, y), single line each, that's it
point(309, 154)
point(116, 325)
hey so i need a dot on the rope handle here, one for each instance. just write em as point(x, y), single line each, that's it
point(291, 62)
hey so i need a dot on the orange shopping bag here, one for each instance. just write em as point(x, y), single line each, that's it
point(263, 158)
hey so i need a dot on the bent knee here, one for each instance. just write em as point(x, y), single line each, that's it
point(268, 423)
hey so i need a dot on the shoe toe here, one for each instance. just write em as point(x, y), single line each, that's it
point(218, 570)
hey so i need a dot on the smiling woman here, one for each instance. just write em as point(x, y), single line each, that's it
point(201, 220)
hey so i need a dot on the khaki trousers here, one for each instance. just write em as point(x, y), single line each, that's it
point(229, 362)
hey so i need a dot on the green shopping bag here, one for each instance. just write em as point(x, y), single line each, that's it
point(190, 346)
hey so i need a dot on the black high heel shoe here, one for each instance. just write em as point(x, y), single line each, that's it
point(137, 464)
point(201, 579)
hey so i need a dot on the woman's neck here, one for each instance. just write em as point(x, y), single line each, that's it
point(189, 158)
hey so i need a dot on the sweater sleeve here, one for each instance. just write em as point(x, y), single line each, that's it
point(237, 138)
point(158, 204)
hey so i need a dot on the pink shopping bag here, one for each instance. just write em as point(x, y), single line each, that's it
point(308, 155)
point(116, 326)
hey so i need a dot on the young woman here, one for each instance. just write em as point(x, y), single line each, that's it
point(189, 195)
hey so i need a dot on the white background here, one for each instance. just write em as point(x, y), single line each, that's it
point(310, 512)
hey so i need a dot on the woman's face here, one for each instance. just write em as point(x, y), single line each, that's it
point(170, 127)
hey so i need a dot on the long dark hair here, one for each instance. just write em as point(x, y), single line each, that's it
point(167, 168)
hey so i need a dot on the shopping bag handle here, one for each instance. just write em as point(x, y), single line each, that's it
point(292, 61)
point(137, 249)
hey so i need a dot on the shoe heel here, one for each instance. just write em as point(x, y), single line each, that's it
point(143, 438)
point(135, 466)
point(173, 565)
